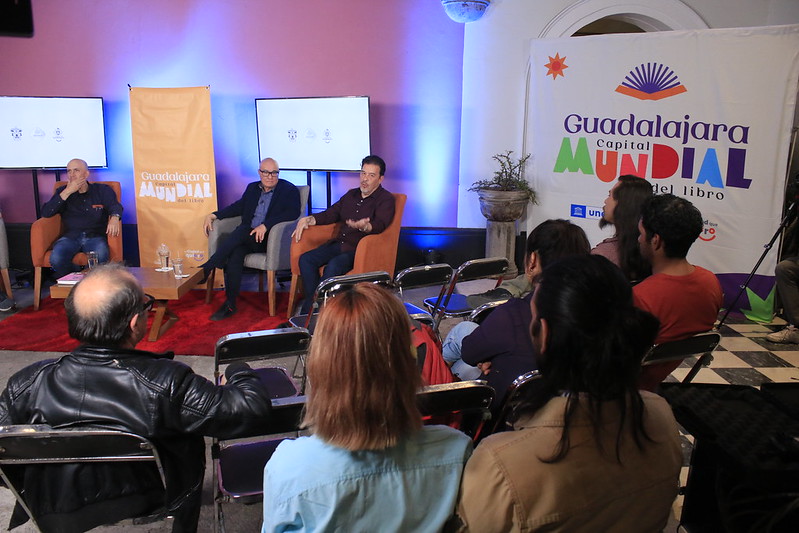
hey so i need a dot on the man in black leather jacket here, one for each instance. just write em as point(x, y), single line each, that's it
point(107, 383)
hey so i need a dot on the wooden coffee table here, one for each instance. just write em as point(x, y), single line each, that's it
point(163, 286)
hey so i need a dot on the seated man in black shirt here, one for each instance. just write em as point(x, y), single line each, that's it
point(360, 212)
point(89, 212)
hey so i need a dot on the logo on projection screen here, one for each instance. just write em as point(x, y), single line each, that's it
point(16, 133)
point(651, 81)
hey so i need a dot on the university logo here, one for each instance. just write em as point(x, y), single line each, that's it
point(292, 133)
point(16, 133)
point(651, 81)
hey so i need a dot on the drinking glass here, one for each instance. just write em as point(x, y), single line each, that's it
point(177, 266)
point(163, 256)
point(92, 259)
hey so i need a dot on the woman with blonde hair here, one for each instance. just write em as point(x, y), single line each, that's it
point(369, 465)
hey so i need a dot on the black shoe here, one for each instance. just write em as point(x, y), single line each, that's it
point(224, 312)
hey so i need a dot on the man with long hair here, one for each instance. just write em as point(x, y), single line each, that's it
point(589, 451)
point(622, 210)
point(369, 465)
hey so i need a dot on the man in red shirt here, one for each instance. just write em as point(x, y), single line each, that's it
point(685, 298)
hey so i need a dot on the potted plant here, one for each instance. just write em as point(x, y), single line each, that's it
point(504, 196)
point(503, 199)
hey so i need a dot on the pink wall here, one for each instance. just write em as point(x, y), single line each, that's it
point(407, 56)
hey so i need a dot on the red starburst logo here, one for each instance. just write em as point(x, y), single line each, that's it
point(556, 66)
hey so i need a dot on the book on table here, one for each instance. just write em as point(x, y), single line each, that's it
point(71, 278)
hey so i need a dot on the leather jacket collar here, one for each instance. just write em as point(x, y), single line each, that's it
point(109, 352)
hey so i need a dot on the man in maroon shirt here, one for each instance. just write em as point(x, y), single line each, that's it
point(360, 212)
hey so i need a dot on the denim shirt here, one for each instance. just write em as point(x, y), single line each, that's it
point(310, 485)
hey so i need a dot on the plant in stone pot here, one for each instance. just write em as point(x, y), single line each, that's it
point(503, 199)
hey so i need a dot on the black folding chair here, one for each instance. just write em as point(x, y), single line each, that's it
point(480, 313)
point(438, 275)
point(262, 345)
point(463, 405)
point(455, 305)
point(239, 465)
point(328, 288)
point(701, 345)
point(523, 386)
point(22, 446)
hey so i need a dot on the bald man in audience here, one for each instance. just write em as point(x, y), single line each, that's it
point(107, 383)
point(685, 298)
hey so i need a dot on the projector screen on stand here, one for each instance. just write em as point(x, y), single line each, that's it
point(46, 132)
point(317, 133)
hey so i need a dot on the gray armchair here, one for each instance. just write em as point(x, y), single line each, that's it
point(278, 250)
point(5, 280)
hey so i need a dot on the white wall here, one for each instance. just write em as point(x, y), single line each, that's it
point(495, 58)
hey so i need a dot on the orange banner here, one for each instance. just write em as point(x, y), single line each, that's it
point(175, 176)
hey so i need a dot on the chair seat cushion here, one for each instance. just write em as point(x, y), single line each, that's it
point(241, 468)
point(417, 313)
point(256, 261)
point(277, 381)
point(457, 305)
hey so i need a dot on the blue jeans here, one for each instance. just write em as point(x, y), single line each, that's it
point(335, 261)
point(451, 351)
point(65, 249)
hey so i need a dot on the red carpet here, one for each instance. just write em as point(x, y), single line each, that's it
point(193, 334)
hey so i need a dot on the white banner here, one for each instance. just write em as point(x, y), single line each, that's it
point(706, 115)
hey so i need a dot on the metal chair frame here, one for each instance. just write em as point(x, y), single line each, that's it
point(439, 275)
point(239, 464)
point(468, 271)
point(701, 345)
point(25, 444)
point(256, 346)
point(464, 404)
point(329, 287)
point(519, 387)
point(480, 313)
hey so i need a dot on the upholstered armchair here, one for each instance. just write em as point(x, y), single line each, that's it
point(374, 252)
point(45, 231)
point(277, 256)
point(5, 280)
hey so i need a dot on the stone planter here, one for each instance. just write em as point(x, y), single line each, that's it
point(502, 209)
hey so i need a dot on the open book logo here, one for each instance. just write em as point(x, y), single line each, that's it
point(651, 81)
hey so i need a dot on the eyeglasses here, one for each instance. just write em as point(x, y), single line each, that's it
point(147, 304)
point(273, 173)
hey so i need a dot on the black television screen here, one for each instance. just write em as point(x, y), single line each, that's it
point(318, 133)
point(47, 132)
